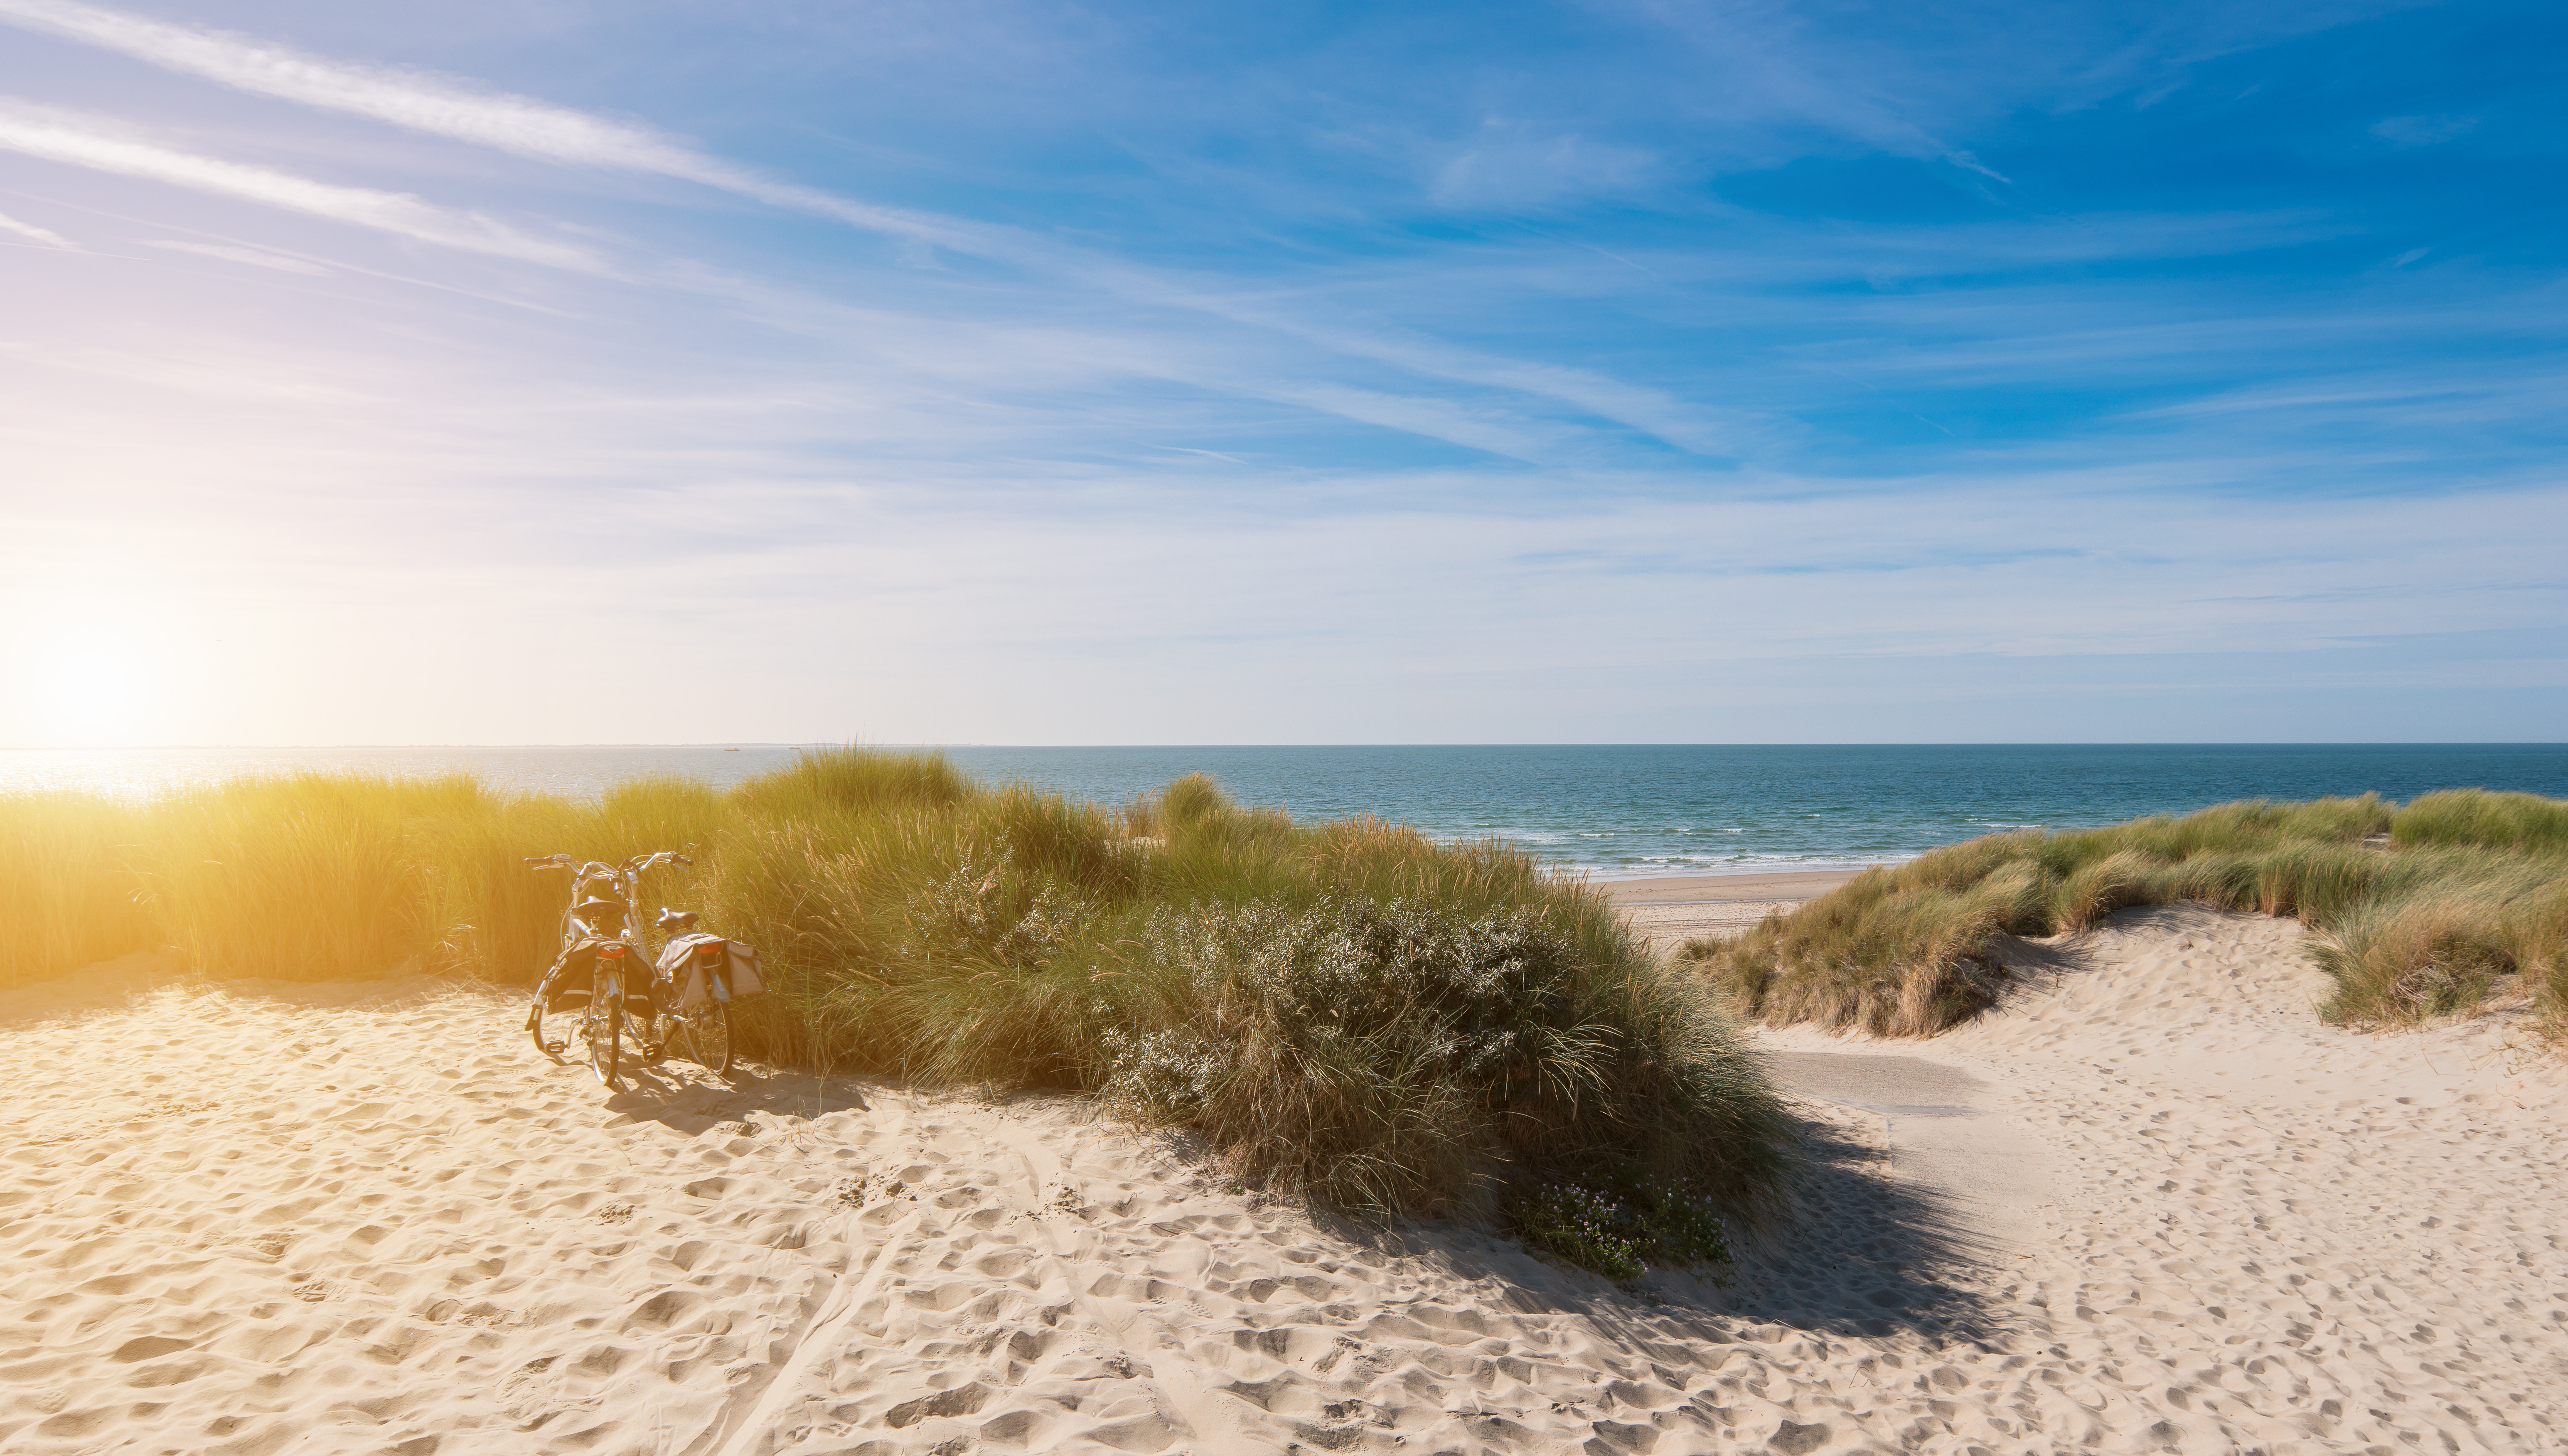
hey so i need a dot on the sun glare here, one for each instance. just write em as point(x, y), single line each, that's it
point(92, 682)
point(99, 657)
point(92, 690)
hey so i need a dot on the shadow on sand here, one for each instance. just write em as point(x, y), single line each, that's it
point(686, 1098)
point(1857, 1253)
point(1863, 1253)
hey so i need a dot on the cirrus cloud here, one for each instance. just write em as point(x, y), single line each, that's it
point(55, 139)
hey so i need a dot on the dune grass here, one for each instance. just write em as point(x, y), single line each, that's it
point(1342, 1009)
point(65, 894)
point(2452, 902)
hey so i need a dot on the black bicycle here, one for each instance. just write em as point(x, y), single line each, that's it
point(601, 981)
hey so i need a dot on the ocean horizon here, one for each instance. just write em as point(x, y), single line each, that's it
point(1609, 810)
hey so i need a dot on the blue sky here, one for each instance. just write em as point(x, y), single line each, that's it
point(1137, 373)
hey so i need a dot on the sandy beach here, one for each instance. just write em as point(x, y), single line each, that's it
point(1669, 910)
point(2152, 1204)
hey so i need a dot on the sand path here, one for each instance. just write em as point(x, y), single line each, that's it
point(1669, 910)
point(2231, 1228)
point(2152, 1205)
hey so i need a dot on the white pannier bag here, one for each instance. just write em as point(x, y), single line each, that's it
point(733, 967)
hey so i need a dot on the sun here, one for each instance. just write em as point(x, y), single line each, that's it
point(91, 678)
point(91, 688)
point(97, 661)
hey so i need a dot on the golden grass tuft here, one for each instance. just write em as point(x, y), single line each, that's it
point(66, 891)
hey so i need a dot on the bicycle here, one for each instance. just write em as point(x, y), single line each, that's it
point(600, 937)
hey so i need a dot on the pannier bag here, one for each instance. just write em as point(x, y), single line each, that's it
point(566, 981)
point(728, 974)
point(564, 990)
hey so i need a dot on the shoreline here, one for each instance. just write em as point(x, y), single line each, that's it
point(1722, 887)
point(1667, 911)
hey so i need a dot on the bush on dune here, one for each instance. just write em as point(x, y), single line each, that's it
point(2431, 909)
point(1344, 1009)
point(1381, 1055)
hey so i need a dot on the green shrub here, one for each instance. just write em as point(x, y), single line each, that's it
point(1376, 1055)
point(1621, 1229)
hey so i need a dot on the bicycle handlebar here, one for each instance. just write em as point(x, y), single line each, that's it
point(633, 866)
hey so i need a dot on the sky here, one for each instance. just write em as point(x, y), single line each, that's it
point(976, 372)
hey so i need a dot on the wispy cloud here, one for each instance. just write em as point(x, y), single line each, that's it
point(1443, 420)
point(1688, 426)
point(44, 235)
point(441, 106)
point(2422, 130)
point(403, 98)
point(540, 130)
point(1510, 165)
point(58, 140)
point(256, 257)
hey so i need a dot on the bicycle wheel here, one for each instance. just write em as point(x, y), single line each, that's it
point(605, 1027)
point(709, 1038)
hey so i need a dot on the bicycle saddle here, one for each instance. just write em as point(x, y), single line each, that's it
point(598, 911)
point(677, 922)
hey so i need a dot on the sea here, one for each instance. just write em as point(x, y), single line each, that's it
point(1610, 810)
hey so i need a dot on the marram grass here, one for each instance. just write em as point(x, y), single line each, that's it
point(1344, 1009)
point(2457, 900)
point(67, 896)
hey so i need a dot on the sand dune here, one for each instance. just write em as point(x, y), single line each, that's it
point(2150, 1205)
